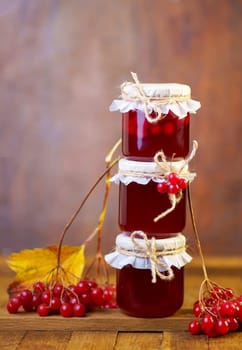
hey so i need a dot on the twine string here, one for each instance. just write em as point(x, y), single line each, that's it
point(167, 168)
point(153, 103)
point(149, 250)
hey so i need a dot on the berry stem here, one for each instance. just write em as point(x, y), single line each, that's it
point(196, 235)
point(110, 165)
point(99, 259)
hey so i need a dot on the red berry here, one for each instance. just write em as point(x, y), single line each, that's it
point(211, 333)
point(112, 304)
point(12, 307)
point(72, 288)
point(173, 188)
point(28, 307)
point(15, 301)
point(26, 296)
point(82, 287)
point(45, 297)
point(173, 179)
point(85, 298)
point(55, 303)
point(197, 310)
point(233, 323)
point(38, 287)
point(222, 326)
point(79, 310)
point(57, 290)
point(108, 294)
point(168, 128)
point(228, 309)
point(73, 300)
point(194, 327)
point(182, 183)
point(97, 296)
point(36, 300)
point(92, 284)
point(43, 310)
point(66, 310)
point(229, 292)
point(162, 187)
point(155, 129)
point(217, 293)
point(240, 314)
point(208, 323)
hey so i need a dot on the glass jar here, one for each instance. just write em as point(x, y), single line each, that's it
point(155, 117)
point(137, 293)
point(140, 202)
point(142, 139)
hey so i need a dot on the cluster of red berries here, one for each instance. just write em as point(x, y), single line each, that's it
point(173, 184)
point(219, 313)
point(74, 300)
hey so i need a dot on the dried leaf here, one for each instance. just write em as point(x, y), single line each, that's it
point(31, 265)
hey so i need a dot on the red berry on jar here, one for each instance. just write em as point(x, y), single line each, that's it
point(173, 189)
point(182, 183)
point(162, 187)
point(173, 178)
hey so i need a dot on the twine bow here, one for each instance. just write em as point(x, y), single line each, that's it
point(166, 168)
point(150, 103)
point(149, 251)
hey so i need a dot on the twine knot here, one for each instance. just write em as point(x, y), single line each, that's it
point(150, 103)
point(167, 168)
point(149, 251)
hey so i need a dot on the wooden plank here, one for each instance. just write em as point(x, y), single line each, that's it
point(45, 340)
point(232, 341)
point(92, 340)
point(101, 320)
point(138, 341)
point(184, 340)
point(10, 339)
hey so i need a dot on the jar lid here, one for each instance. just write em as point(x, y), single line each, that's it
point(177, 241)
point(143, 172)
point(135, 251)
point(160, 98)
point(146, 167)
point(157, 90)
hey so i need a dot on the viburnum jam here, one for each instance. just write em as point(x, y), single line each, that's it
point(150, 273)
point(142, 139)
point(140, 204)
point(138, 296)
point(145, 194)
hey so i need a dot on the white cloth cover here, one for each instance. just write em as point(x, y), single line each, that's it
point(150, 168)
point(180, 109)
point(123, 240)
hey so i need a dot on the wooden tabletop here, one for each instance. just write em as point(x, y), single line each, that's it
point(111, 329)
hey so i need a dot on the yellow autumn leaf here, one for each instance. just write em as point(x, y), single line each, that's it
point(38, 264)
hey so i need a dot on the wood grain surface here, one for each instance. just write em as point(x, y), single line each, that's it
point(61, 65)
point(111, 329)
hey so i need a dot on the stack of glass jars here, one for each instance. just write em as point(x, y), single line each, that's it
point(153, 175)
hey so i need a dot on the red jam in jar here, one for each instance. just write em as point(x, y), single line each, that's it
point(140, 202)
point(142, 139)
point(138, 296)
point(155, 117)
point(150, 274)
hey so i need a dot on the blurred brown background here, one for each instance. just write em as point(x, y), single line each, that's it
point(61, 64)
